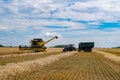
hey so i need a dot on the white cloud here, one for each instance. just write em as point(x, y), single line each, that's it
point(3, 28)
point(26, 14)
point(94, 23)
point(101, 38)
point(25, 24)
point(51, 34)
point(102, 10)
point(1, 10)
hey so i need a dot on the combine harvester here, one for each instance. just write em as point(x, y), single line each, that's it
point(37, 45)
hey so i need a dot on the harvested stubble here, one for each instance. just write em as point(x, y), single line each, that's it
point(110, 56)
point(11, 71)
point(8, 51)
point(24, 57)
point(115, 51)
point(80, 66)
point(15, 51)
point(10, 58)
point(18, 55)
point(49, 50)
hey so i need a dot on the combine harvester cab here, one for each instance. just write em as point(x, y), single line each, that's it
point(37, 45)
point(85, 46)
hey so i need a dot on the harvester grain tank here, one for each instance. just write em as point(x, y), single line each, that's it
point(86, 46)
point(37, 45)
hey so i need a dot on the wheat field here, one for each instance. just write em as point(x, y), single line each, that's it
point(9, 51)
point(18, 69)
point(80, 66)
point(15, 58)
point(113, 50)
point(56, 65)
point(110, 56)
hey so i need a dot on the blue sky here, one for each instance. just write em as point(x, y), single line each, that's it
point(73, 21)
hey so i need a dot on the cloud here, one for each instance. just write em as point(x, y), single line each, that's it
point(1, 10)
point(3, 28)
point(73, 19)
point(102, 38)
point(51, 34)
point(90, 10)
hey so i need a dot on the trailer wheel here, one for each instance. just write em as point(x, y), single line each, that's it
point(89, 50)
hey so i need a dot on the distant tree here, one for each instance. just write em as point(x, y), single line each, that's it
point(1, 45)
point(10, 46)
point(116, 47)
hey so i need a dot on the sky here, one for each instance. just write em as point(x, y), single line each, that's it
point(74, 21)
